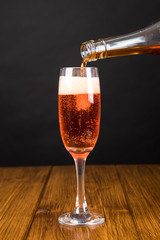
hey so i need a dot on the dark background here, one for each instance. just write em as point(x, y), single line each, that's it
point(39, 37)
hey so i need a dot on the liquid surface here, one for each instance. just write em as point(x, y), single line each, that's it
point(78, 85)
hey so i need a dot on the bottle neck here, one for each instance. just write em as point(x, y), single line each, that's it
point(142, 41)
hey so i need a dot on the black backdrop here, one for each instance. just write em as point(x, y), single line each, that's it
point(36, 39)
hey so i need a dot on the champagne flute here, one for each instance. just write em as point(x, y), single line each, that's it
point(79, 106)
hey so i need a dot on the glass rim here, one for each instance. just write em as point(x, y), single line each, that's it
point(79, 72)
point(79, 68)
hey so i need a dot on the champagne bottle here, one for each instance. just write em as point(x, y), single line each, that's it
point(144, 41)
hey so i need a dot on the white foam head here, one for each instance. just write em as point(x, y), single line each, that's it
point(78, 85)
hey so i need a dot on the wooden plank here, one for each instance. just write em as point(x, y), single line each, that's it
point(20, 190)
point(119, 223)
point(142, 188)
point(104, 194)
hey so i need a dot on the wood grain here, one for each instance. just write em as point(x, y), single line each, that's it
point(20, 190)
point(119, 223)
point(104, 194)
point(32, 198)
point(141, 186)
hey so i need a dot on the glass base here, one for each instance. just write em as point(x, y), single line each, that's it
point(91, 219)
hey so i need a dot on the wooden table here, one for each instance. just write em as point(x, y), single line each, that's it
point(32, 198)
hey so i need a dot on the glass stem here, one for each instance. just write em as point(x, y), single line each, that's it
point(81, 204)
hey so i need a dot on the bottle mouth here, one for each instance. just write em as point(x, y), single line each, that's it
point(83, 50)
point(86, 48)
